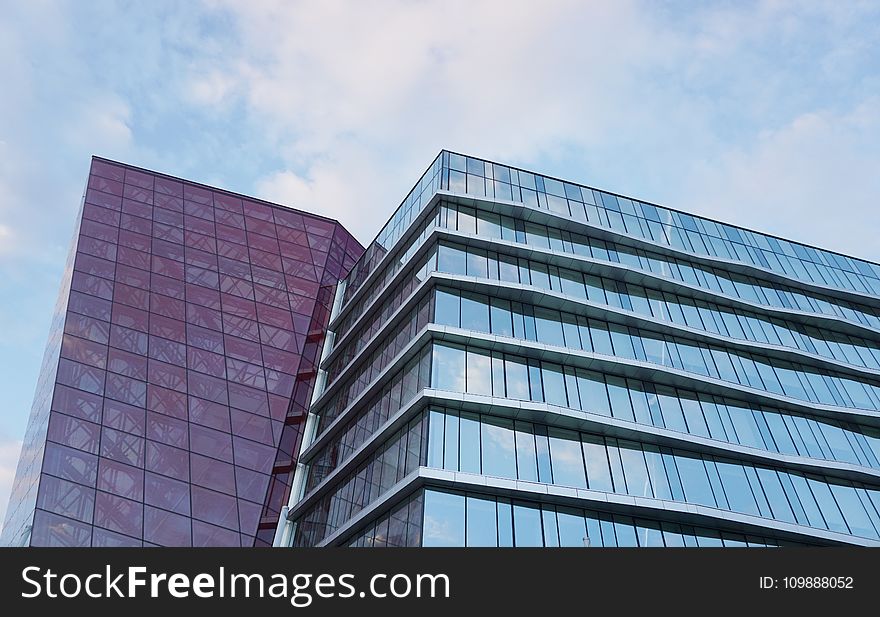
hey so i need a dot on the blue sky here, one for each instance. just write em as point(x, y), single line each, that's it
point(765, 114)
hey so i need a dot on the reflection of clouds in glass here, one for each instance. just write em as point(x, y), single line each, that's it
point(439, 532)
point(517, 379)
point(499, 451)
point(448, 368)
point(443, 519)
point(564, 454)
point(479, 379)
point(499, 437)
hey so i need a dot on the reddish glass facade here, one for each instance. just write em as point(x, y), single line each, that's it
point(179, 368)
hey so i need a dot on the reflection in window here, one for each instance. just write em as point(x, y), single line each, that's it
point(479, 373)
point(527, 525)
point(481, 522)
point(447, 368)
point(695, 481)
point(444, 519)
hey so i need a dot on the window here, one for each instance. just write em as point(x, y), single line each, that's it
point(565, 454)
point(572, 531)
point(695, 481)
point(617, 477)
point(807, 501)
point(507, 269)
point(708, 538)
point(488, 223)
point(501, 317)
point(499, 447)
point(621, 407)
point(746, 428)
point(548, 327)
point(435, 439)
point(649, 533)
point(601, 338)
point(467, 221)
point(477, 263)
point(443, 519)
point(625, 531)
point(828, 505)
point(571, 332)
point(451, 259)
point(447, 368)
point(572, 284)
point(656, 472)
point(714, 422)
point(469, 443)
point(802, 426)
point(595, 289)
point(672, 535)
point(551, 528)
point(536, 235)
point(479, 373)
point(481, 524)
point(655, 351)
point(692, 359)
point(554, 384)
point(536, 391)
point(779, 432)
point(836, 439)
point(542, 451)
point(622, 342)
point(671, 407)
point(594, 397)
point(693, 414)
point(447, 308)
point(724, 365)
point(736, 488)
point(752, 377)
point(527, 525)
point(450, 443)
point(856, 517)
point(771, 382)
point(526, 457)
point(594, 531)
point(639, 402)
point(517, 376)
point(606, 525)
point(654, 407)
point(498, 375)
point(596, 457)
point(637, 480)
point(474, 313)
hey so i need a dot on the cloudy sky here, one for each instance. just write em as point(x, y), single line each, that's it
point(765, 114)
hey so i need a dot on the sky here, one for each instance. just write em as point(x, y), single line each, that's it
point(764, 114)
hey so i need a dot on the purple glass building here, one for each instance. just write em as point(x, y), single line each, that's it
point(179, 369)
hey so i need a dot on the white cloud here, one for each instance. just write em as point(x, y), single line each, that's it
point(802, 180)
point(345, 185)
point(9, 451)
point(102, 126)
point(212, 88)
point(369, 93)
point(7, 241)
point(358, 98)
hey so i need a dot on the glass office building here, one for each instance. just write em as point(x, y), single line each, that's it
point(522, 361)
point(179, 368)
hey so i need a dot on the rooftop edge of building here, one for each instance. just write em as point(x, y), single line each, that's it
point(657, 205)
point(873, 264)
point(236, 194)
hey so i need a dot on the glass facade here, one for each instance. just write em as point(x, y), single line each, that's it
point(522, 361)
point(515, 360)
point(179, 369)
